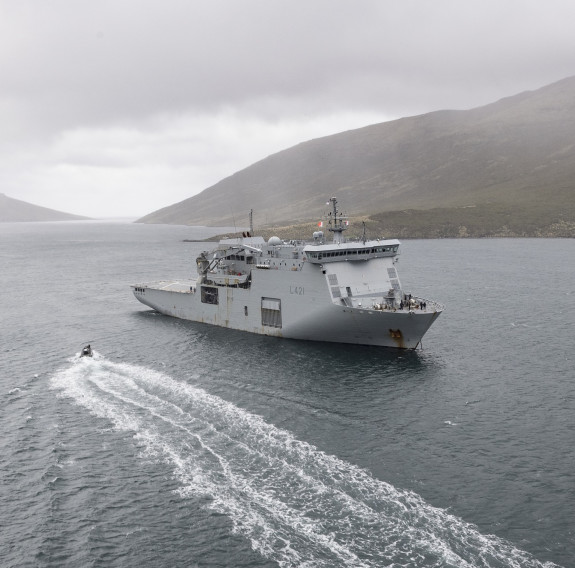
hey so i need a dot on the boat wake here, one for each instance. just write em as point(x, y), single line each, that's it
point(297, 505)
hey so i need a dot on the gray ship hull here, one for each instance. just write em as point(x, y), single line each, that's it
point(306, 309)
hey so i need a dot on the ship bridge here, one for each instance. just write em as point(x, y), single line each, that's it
point(351, 251)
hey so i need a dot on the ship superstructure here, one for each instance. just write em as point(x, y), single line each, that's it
point(340, 291)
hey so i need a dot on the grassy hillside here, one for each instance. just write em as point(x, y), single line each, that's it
point(489, 220)
point(14, 210)
point(507, 166)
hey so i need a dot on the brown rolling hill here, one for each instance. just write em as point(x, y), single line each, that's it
point(504, 169)
point(14, 211)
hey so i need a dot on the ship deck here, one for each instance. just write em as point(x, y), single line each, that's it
point(418, 305)
point(182, 286)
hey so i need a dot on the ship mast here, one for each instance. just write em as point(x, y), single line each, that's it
point(337, 222)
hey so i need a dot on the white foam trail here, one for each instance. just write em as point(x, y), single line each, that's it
point(296, 504)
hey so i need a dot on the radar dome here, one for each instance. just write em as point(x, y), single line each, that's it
point(274, 241)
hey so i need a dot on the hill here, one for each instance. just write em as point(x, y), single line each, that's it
point(14, 210)
point(504, 168)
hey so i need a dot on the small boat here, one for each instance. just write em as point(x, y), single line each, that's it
point(86, 351)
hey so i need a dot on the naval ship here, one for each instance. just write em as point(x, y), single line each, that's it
point(345, 291)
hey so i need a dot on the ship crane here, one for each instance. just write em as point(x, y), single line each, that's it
point(204, 266)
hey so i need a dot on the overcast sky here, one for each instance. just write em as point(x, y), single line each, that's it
point(121, 107)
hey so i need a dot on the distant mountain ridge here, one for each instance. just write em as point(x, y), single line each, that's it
point(13, 211)
point(516, 155)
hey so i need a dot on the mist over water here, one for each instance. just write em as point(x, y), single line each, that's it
point(181, 444)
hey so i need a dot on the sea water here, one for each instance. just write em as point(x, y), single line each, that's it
point(182, 444)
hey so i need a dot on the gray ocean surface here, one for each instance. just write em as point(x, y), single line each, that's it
point(186, 445)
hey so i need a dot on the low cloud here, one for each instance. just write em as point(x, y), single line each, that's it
point(119, 108)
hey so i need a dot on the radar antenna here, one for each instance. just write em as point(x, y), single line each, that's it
point(337, 222)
